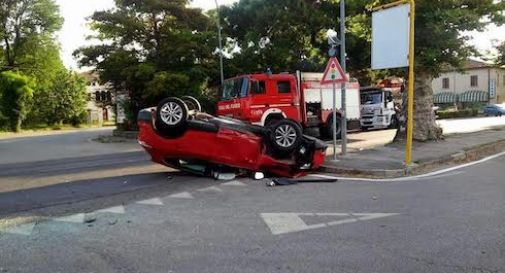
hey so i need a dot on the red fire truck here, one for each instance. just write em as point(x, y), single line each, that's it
point(264, 99)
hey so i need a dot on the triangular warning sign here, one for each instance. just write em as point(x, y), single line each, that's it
point(333, 72)
point(282, 223)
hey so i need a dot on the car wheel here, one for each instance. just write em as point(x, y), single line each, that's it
point(192, 103)
point(171, 117)
point(285, 137)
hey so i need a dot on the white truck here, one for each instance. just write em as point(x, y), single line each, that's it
point(378, 109)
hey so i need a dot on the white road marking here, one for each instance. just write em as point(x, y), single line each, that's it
point(233, 183)
point(152, 201)
point(282, 223)
point(23, 229)
point(116, 210)
point(427, 175)
point(75, 218)
point(210, 189)
point(182, 195)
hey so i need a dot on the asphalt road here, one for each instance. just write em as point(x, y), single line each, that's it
point(163, 221)
point(60, 146)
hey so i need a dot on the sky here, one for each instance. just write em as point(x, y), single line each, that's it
point(75, 29)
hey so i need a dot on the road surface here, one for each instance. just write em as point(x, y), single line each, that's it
point(167, 222)
point(69, 204)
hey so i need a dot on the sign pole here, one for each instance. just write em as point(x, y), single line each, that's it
point(334, 125)
point(343, 64)
point(410, 96)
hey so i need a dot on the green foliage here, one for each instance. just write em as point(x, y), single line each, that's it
point(457, 114)
point(283, 35)
point(153, 49)
point(440, 28)
point(24, 26)
point(500, 59)
point(15, 95)
point(64, 102)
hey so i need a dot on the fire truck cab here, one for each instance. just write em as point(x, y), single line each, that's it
point(263, 99)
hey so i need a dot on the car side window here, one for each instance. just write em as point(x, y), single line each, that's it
point(283, 87)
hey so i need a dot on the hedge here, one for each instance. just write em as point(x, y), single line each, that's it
point(458, 114)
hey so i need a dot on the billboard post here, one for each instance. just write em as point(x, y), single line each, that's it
point(393, 38)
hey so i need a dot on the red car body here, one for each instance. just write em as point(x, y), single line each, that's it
point(227, 143)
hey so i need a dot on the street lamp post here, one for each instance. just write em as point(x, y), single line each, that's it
point(343, 87)
point(220, 43)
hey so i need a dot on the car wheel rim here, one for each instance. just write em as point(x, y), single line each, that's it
point(285, 136)
point(171, 113)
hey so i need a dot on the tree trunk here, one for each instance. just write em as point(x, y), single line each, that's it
point(425, 127)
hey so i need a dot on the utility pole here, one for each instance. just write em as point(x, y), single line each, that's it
point(343, 87)
point(220, 43)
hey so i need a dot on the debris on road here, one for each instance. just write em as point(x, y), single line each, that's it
point(285, 181)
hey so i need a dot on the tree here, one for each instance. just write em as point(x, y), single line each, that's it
point(439, 43)
point(500, 59)
point(24, 26)
point(153, 49)
point(282, 35)
point(15, 94)
point(65, 101)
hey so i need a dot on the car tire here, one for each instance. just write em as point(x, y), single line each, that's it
point(171, 117)
point(329, 127)
point(192, 103)
point(285, 137)
point(394, 123)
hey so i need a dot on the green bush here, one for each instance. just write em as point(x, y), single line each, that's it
point(15, 95)
point(458, 114)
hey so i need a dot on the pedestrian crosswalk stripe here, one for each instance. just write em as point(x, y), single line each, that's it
point(233, 183)
point(117, 210)
point(75, 218)
point(210, 189)
point(152, 201)
point(23, 229)
point(182, 195)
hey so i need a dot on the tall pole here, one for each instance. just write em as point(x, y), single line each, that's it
point(220, 43)
point(343, 63)
point(334, 119)
point(410, 96)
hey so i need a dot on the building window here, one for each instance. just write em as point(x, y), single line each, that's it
point(284, 87)
point(445, 83)
point(97, 96)
point(474, 81)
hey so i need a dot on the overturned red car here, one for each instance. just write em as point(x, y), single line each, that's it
point(177, 134)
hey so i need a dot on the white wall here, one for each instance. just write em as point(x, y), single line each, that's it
point(459, 83)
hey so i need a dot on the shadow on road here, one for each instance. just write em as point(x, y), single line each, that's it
point(91, 195)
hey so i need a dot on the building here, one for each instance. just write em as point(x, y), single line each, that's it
point(478, 83)
point(100, 105)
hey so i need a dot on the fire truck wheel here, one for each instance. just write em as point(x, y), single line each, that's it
point(394, 122)
point(192, 103)
point(285, 137)
point(171, 117)
point(329, 127)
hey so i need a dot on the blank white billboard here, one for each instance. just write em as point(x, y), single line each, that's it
point(390, 37)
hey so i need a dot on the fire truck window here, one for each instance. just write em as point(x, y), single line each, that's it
point(244, 88)
point(258, 87)
point(235, 88)
point(284, 87)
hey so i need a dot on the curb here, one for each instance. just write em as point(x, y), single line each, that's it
point(423, 166)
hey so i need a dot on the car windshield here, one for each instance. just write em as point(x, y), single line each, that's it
point(371, 98)
point(235, 88)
